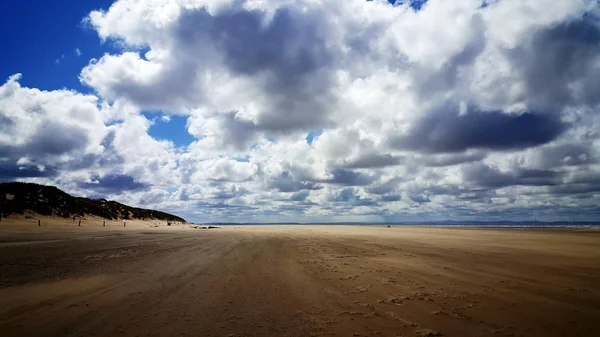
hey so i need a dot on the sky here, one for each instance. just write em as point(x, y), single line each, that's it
point(308, 110)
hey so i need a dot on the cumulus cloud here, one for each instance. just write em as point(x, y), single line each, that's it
point(77, 141)
point(313, 110)
point(47, 130)
point(269, 65)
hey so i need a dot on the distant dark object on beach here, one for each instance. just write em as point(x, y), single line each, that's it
point(388, 226)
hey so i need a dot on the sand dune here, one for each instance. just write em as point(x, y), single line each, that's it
point(65, 280)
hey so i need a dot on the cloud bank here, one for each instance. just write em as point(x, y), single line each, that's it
point(312, 110)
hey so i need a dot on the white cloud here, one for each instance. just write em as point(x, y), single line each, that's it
point(49, 124)
point(452, 109)
point(60, 59)
point(225, 170)
point(77, 52)
point(67, 134)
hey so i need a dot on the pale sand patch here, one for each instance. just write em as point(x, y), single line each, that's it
point(58, 224)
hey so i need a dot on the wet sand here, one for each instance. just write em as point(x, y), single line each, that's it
point(65, 280)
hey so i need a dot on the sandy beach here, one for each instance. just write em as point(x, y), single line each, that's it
point(64, 280)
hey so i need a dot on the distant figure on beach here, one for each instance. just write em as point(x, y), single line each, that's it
point(388, 226)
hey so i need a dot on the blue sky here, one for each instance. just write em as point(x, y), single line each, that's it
point(52, 44)
point(173, 128)
point(37, 33)
point(304, 111)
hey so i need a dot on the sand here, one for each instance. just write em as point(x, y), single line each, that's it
point(65, 280)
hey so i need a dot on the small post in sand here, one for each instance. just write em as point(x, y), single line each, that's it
point(39, 223)
point(79, 222)
point(123, 223)
point(103, 223)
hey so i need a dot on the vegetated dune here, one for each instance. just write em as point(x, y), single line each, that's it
point(21, 198)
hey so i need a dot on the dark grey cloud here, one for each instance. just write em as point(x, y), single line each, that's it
point(453, 190)
point(570, 154)
point(479, 195)
point(49, 140)
point(295, 209)
point(114, 183)
point(349, 196)
point(155, 199)
point(420, 198)
point(228, 131)
point(299, 196)
point(233, 191)
point(184, 195)
point(583, 181)
point(559, 65)
point(345, 195)
point(110, 157)
point(236, 131)
point(224, 208)
point(574, 188)
point(349, 178)
point(285, 182)
point(428, 82)
point(390, 198)
point(221, 205)
point(54, 139)
point(441, 160)
point(44, 143)
point(475, 194)
point(287, 53)
point(585, 175)
point(290, 44)
point(372, 160)
point(6, 123)
point(485, 176)
point(11, 171)
point(365, 202)
point(446, 131)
